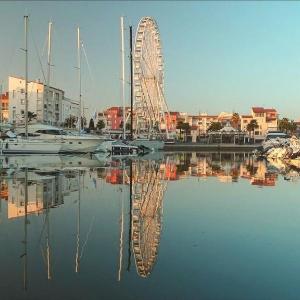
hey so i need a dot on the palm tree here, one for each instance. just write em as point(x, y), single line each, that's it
point(252, 126)
point(100, 125)
point(215, 126)
point(180, 127)
point(186, 127)
point(235, 120)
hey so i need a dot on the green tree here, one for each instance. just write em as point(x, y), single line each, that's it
point(70, 122)
point(91, 124)
point(179, 126)
point(252, 126)
point(100, 125)
point(30, 116)
point(83, 122)
point(215, 126)
point(284, 125)
point(186, 128)
point(292, 127)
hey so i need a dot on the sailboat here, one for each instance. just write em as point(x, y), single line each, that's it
point(24, 145)
point(70, 143)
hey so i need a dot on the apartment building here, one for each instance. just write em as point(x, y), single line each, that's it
point(266, 118)
point(48, 104)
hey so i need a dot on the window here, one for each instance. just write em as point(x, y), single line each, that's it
point(22, 101)
point(56, 106)
point(22, 91)
point(22, 112)
point(45, 106)
point(57, 96)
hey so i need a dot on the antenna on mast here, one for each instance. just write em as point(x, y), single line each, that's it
point(49, 69)
point(123, 75)
point(26, 76)
point(79, 77)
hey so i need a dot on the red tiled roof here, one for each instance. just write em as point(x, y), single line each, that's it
point(262, 110)
point(258, 109)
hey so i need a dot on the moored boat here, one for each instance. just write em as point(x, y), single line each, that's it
point(70, 142)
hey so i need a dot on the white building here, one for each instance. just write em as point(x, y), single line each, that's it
point(48, 104)
point(69, 108)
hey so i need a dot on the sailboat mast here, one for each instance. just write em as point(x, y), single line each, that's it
point(26, 76)
point(79, 77)
point(48, 70)
point(131, 84)
point(123, 75)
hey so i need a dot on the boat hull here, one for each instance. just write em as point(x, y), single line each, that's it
point(81, 145)
point(22, 146)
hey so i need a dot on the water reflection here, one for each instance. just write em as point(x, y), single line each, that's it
point(140, 186)
point(228, 168)
point(148, 187)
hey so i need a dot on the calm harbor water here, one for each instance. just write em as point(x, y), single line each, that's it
point(174, 226)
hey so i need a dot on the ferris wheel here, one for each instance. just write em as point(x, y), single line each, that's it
point(148, 69)
point(149, 187)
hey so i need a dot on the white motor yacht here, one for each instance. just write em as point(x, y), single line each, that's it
point(71, 142)
point(28, 146)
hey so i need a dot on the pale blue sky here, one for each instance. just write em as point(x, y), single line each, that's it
point(219, 56)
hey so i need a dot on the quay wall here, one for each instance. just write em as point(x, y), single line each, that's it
point(210, 147)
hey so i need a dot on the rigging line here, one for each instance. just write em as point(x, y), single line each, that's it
point(44, 46)
point(37, 52)
point(88, 64)
point(87, 236)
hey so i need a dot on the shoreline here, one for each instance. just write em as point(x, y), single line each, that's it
point(210, 147)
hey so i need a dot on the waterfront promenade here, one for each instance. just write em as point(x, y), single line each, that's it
point(210, 147)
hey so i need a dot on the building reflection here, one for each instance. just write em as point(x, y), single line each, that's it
point(226, 167)
point(43, 190)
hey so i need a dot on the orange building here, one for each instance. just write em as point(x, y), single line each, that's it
point(4, 100)
point(171, 120)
